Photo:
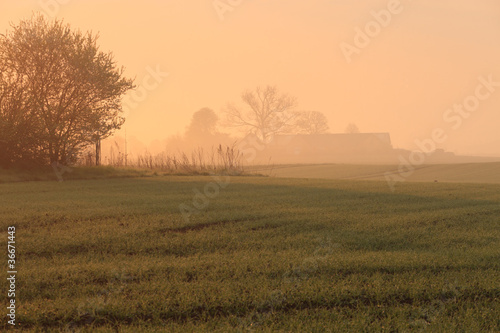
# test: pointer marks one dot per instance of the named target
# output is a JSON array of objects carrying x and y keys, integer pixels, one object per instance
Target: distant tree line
[
  {"x": 264, "y": 112},
  {"x": 58, "y": 93}
]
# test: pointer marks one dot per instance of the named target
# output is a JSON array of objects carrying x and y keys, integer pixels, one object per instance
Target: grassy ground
[
  {"x": 67, "y": 173},
  {"x": 63, "y": 173},
  {"x": 260, "y": 254},
  {"x": 461, "y": 173}
]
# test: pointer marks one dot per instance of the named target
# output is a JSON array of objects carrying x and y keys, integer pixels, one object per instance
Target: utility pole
[
  {"x": 126, "y": 151},
  {"x": 98, "y": 150}
]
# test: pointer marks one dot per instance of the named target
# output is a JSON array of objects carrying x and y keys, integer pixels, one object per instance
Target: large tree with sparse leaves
[{"x": 58, "y": 92}]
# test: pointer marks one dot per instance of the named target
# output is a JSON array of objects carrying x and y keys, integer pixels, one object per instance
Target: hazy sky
[{"x": 418, "y": 63}]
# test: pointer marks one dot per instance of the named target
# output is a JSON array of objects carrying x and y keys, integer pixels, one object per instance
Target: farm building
[{"x": 327, "y": 148}]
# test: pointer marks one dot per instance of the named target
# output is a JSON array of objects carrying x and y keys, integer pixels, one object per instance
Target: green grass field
[
  {"x": 262, "y": 254},
  {"x": 457, "y": 173}
]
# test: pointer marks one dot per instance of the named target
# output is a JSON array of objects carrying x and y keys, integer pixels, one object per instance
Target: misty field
[
  {"x": 454, "y": 173},
  {"x": 265, "y": 254}
]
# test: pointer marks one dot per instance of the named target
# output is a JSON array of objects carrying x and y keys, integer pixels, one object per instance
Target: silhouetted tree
[
  {"x": 268, "y": 112},
  {"x": 57, "y": 81},
  {"x": 352, "y": 128},
  {"x": 203, "y": 123},
  {"x": 311, "y": 122}
]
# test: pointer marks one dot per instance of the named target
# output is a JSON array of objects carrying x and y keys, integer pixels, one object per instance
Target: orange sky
[{"x": 427, "y": 58}]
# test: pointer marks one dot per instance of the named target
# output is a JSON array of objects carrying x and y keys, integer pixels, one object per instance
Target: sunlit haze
[{"x": 427, "y": 57}]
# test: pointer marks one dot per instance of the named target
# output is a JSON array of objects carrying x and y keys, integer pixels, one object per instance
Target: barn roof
[{"x": 330, "y": 140}]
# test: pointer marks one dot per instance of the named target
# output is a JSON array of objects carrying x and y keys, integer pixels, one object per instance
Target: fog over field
[
  {"x": 399, "y": 67},
  {"x": 250, "y": 165}
]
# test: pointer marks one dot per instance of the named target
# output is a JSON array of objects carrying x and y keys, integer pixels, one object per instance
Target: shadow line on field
[
  {"x": 435, "y": 301},
  {"x": 198, "y": 227}
]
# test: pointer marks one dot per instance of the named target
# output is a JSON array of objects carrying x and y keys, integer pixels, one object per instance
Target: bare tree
[
  {"x": 268, "y": 112},
  {"x": 352, "y": 128},
  {"x": 312, "y": 122},
  {"x": 72, "y": 90}
]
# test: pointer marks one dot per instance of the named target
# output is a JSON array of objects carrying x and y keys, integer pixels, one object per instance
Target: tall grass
[{"x": 220, "y": 159}]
